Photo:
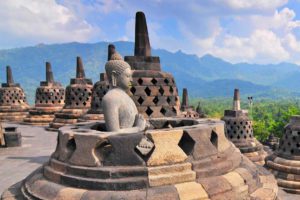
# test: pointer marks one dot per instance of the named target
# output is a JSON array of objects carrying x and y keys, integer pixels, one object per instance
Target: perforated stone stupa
[
  {"x": 49, "y": 98},
  {"x": 154, "y": 92},
  {"x": 99, "y": 90},
  {"x": 186, "y": 109},
  {"x": 285, "y": 161},
  {"x": 77, "y": 99},
  {"x": 13, "y": 104},
  {"x": 239, "y": 130}
]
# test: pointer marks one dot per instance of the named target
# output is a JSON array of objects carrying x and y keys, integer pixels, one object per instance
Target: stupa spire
[
  {"x": 79, "y": 68},
  {"x": 9, "y": 76},
  {"x": 49, "y": 73},
  {"x": 142, "y": 43},
  {"x": 185, "y": 99},
  {"x": 236, "y": 100}
]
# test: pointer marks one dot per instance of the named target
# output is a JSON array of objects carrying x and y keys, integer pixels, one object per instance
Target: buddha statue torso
[{"x": 120, "y": 112}]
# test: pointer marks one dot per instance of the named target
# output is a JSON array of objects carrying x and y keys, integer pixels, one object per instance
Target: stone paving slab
[{"x": 18, "y": 162}]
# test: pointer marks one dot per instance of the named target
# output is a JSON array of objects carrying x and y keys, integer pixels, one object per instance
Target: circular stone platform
[{"x": 192, "y": 160}]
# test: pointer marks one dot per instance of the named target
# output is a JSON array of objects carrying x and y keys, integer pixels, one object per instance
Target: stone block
[
  {"x": 166, "y": 149},
  {"x": 121, "y": 154},
  {"x": 163, "y": 192},
  {"x": 191, "y": 190}
]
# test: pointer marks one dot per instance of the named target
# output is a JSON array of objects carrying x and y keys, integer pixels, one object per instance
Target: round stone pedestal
[{"x": 192, "y": 160}]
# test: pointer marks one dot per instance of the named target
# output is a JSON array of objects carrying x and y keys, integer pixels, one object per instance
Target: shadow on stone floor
[{"x": 36, "y": 159}]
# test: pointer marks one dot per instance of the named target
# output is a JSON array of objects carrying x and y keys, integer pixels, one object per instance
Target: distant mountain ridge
[{"x": 206, "y": 76}]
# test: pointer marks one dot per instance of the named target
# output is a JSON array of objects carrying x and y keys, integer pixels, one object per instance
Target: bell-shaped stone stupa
[
  {"x": 13, "y": 104},
  {"x": 285, "y": 161},
  {"x": 153, "y": 91},
  {"x": 186, "y": 110},
  {"x": 99, "y": 90},
  {"x": 49, "y": 99},
  {"x": 239, "y": 130},
  {"x": 77, "y": 99}
]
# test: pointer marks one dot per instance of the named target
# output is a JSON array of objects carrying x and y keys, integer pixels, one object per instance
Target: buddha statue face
[
  {"x": 118, "y": 72},
  {"x": 122, "y": 80}
]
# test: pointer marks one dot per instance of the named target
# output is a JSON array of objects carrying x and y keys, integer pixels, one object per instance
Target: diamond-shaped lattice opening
[
  {"x": 174, "y": 110},
  {"x": 163, "y": 111},
  {"x": 140, "y": 81},
  {"x": 171, "y": 90},
  {"x": 186, "y": 143},
  {"x": 132, "y": 90},
  {"x": 166, "y": 81},
  {"x": 214, "y": 139},
  {"x": 161, "y": 91},
  {"x": 148, "y": 91},
  {"x": 168, "y": 100},
  {"x": 140, "y": 100},
  {"x": 145, "y": 148},
  {"x": 154, "y": 81},
  {"x": 155, "y": 100},
  {"x": 149, "y": 111}
]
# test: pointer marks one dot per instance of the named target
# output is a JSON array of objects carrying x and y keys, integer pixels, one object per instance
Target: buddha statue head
[{"x": 118, "y": 72}]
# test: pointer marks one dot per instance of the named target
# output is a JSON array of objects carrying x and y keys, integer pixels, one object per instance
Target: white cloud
[
  {"x": 35, "y": 21},
  {"x": 263, "y": 46},
  {"x": 253, "y": 4}
]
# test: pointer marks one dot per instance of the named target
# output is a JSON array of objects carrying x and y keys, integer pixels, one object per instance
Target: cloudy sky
[{"x": 255, "y": 31}]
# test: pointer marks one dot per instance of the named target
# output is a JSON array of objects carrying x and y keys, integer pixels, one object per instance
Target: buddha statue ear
[{"x": 114, "y": 78}]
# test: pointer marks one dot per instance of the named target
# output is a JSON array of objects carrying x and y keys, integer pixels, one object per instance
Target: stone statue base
[
  {"x": 13, "y": 114},
  {"x": 41, "y": 116},
  {"x": 65, "y": 117},
  {"x": 177, "y": 159}
]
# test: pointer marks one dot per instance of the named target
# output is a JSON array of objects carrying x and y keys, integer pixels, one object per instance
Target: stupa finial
[
  {"x": 142, "y": 43},
  {"x": 79, "y": 68},
  {"x": 49, "y": 73},
  {"x": 9, "y": 76},
  {"x": 236, "y": 100}
]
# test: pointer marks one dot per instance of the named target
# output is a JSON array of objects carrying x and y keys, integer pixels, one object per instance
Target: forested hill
[{"x": 205, "y": 76}]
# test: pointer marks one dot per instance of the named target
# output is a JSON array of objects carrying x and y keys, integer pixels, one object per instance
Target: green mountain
[{"x": 206, "y": 76}]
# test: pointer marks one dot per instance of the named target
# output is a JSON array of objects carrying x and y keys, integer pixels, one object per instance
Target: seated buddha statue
[{"x": 120, "y": 112}]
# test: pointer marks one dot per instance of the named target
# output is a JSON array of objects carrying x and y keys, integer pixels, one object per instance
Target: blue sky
[{"x": 254, "y": 31}]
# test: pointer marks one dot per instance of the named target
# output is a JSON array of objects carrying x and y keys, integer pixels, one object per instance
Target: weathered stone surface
[
  {"x": 124, "y": 154},
  {"x": 163, "y": 192},
  {"x": 170, "y": 174},
  {"x": 191, "y": 190},
  {"x": 166, "y": 149}
]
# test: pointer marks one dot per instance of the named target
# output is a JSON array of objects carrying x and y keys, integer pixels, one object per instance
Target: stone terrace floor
[{"x": 18, "y": 162}]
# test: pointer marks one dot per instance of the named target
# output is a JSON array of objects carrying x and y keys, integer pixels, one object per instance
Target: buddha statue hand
[{"x": 140, "y": 122}]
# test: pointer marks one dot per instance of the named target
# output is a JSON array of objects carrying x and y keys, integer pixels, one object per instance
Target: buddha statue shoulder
[{"x": 120, "y": 112}]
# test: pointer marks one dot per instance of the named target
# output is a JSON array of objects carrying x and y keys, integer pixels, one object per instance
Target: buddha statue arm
[{"x": 111, "y": 116}]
